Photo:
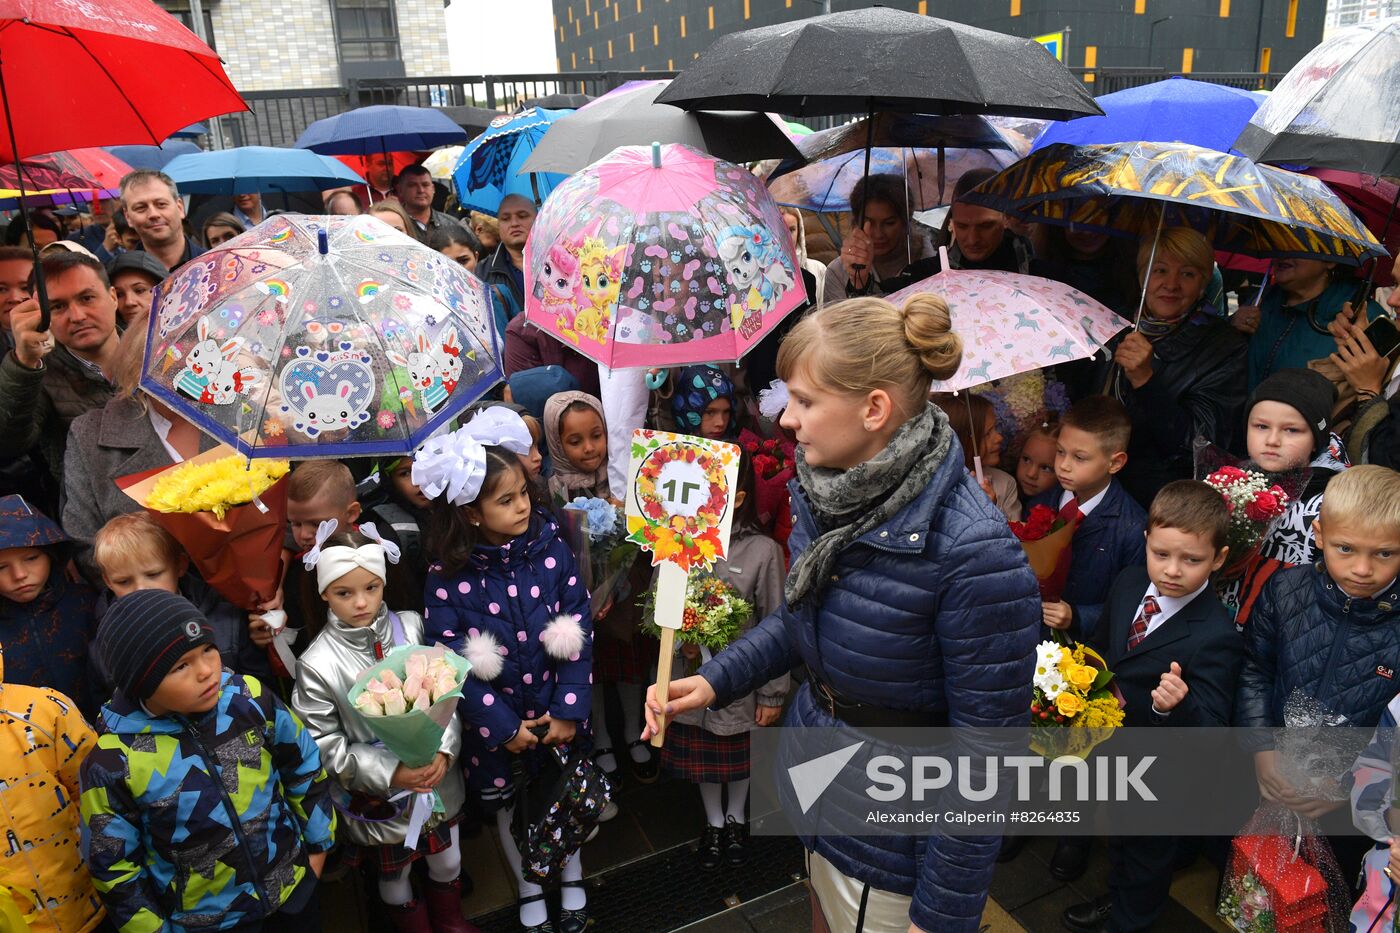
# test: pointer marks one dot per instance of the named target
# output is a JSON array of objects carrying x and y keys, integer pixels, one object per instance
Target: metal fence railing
[{"x": 277, "y": 118}]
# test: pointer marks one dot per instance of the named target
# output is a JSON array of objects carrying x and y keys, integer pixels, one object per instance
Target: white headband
[
  {"x": 455, "y": 465},
  {"x": 334, "y": 562}
]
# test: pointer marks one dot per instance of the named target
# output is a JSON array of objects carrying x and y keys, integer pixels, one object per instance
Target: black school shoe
[
  {"x": 711, "y": 850},
  {"x": 1011, "y": 847},
  {"x": 736, "y": 843},
  {"x": 1090, "y": 916},
  {"x": 1070, "y": 859},
  {"x": 647, "y": 771}
]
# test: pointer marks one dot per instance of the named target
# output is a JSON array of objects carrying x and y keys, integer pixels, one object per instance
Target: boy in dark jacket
[
  {"x": 1091, "y": 447},
  {"x": 1329, "y": 632},
  {"x": 46, "y": 621},
  {"x": 1175, "y": 654},
  {"x": 254, "y": 819}
]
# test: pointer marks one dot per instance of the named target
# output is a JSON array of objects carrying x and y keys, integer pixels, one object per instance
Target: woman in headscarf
[{"x": 577, "y": 437}]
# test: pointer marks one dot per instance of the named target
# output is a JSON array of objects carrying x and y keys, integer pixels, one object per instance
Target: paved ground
[{"x": 643, "y": 879}]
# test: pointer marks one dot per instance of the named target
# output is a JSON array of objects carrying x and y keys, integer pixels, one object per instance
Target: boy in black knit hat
[
  {"x": 1286, "y": 432},
  {"x": 181, "y": 727}
]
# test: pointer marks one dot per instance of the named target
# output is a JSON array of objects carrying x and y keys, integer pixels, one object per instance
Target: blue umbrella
[
  {"x": 489, "y": 168},
  {"x": 258, "y": 169},
  {"x": 1174, "y": 110},
  {"x": 153, "y": 158},
  {"x": 381, "y": 128},
  {"x": 190, "y": 132}
]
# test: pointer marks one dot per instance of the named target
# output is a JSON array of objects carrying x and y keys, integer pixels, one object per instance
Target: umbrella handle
[
  {"x": 1151, "y": 258},
  {"x": 865, "y": 176},
  {"x": 40, "y": 291}
]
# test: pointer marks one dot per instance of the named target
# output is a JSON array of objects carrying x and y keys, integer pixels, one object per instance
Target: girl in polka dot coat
[
  {"x": 505, "y": 591},
  {"x": 518, "y": 611}
]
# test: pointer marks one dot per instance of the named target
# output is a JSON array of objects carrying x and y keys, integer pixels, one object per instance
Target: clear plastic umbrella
[{"x": 314, "y": 336}]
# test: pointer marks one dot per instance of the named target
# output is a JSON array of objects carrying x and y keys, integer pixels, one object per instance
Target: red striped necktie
[{"x": 1144, "y": 619}]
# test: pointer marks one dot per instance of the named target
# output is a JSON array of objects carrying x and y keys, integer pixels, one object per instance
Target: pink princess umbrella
[
  {"x": 660, "y": 256},
  {"x": 1012, "y": 323}
]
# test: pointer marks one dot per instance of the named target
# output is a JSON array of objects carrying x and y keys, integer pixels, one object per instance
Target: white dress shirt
[{"x": 1168, "y": 605}]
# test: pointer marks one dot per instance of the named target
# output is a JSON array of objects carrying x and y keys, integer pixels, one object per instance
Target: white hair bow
[
  {"x": 391, "y": 550},
  {"x": 323, "y": 531},
  {"x": 772, "y": 400},
  {"x": 455, "y": 465}
]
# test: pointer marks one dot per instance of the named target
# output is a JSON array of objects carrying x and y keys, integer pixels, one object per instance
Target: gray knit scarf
[{"x": 850, "y": 503}]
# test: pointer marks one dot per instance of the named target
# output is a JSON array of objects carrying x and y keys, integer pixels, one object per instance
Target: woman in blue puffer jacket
[{"x": 908, "y": 599}]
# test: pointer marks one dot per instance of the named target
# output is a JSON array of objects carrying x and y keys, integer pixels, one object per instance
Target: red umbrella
[
  {"x": 80, "y": 73},
  {"x": 85, "y": 169},
  {"x": 77, "y": 73}
]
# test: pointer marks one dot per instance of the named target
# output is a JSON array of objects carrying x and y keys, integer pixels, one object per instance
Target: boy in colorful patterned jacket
[
  {"x": 204, "y": 805},
  {"x": 43, "y": 741}
]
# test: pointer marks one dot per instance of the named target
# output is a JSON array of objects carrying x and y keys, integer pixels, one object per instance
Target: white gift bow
[
  {"x": 282, "y": 638},
  {"x": 419, "y": 812}
]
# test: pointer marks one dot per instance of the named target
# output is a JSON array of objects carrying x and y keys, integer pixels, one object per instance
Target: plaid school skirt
[
  {"x": 624, "y": 662},
  {"x": 393, "y": 859},
  {"x": 695, "y": 754}
]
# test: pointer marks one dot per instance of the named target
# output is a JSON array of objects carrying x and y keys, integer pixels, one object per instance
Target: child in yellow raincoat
[{"x": 43, "y": 740}]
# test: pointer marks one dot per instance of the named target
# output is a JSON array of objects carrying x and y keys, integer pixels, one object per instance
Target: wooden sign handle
[
  {"x": 663, "y": 681},
  {"x": 671, "y": 582}
]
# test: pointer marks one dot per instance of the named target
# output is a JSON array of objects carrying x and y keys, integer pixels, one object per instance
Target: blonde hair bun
[
  {"x": 928, "y": 327},
  {"x": 862, "y": 344}
]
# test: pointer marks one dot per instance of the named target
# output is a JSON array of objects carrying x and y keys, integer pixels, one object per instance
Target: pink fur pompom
[
  {"x": 562, "y": 637},
  {"x": 482, "y": 652}
]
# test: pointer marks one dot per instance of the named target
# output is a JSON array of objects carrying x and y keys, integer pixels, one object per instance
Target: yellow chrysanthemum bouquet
[
  {"x": 228, "y": 514},
  {"x": 1072, "y": 687}
]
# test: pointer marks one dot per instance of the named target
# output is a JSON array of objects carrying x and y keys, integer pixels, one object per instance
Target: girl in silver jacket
[{"x": 350, "y": 572}]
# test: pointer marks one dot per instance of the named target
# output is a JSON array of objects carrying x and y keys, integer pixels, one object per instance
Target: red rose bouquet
[
  {"x": 774, "y": 464},
  {"x": 1253, "y": 501},
  {"x": 1045, "y": 537}
]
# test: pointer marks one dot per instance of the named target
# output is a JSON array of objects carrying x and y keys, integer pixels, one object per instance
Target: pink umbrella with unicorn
[{"x": 660, "y": 256}]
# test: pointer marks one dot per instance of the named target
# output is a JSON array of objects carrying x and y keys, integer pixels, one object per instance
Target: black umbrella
[
  {"x": 474, "y": 120},
  {"x": 558, "y": 102},
  {"x": 879, "y": 59},
  {"x": 630, "y": 117}
]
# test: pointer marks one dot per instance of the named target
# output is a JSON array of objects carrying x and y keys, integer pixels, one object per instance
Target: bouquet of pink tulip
[{"x": 426, "y": 680}]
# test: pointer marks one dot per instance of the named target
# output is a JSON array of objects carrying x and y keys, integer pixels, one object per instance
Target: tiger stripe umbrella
[{"x": 1136, "y": 188}]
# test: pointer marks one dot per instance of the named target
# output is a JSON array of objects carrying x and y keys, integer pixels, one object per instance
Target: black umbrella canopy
[
  {"x": 559, "y": 101},
  {"x": 631, "y": 117},
  {"x": 880, "y": 59},
  {"x": 474, "y": 120},
  {"x": 910, "y": 130}
]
